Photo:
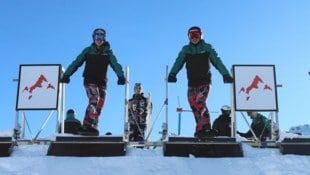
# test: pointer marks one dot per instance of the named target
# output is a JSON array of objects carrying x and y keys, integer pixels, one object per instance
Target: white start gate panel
[
  {"x": 255, "y": 88},
  {"x": 38, "y": 87}
]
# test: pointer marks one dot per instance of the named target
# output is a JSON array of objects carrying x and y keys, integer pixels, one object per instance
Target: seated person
[
  {"x": 222, "y": 124},
  {"x": 260, "y": 125},
  {"x": 72, "y": 125}
]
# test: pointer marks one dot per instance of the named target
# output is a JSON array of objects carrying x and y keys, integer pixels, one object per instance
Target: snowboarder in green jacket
[
  {"x": 97, "y": 57},
  {"x": 198, "y": 56}
]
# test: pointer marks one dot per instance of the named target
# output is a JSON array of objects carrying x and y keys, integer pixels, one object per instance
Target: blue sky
[{"x": 147, "y": 37}]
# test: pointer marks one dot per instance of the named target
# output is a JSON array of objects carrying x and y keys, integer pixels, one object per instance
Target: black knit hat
[
  {"x": 99, "y": 31},
  {"x": 70, "y": 111}
]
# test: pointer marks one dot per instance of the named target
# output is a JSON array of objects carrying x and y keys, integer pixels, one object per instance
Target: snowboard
[
  {"x": 204, "y": 136},
  {"x": 87, "y": 133}
]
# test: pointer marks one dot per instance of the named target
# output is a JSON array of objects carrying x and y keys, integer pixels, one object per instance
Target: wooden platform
[
  {"x": 213, "y": 147},
  {"x": 6, "y": 146},
  {"x": 87, "y": 146},
  {"x": 300, "y": 146}
]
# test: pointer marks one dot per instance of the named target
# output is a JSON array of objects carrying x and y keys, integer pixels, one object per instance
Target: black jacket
[
  {"x": 223, "y": 125},
  {"x": 96, "y": 64}
]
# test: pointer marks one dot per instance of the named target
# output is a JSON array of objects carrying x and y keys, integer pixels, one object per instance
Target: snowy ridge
[
  {"x": 32, "y": 160},
  {"x": 301, "y": 130}
]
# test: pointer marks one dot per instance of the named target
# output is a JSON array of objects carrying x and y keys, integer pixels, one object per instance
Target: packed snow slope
[{"x": 32, "y": 160}]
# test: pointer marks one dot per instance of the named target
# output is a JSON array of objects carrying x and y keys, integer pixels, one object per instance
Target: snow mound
[{"x": 301, "y": 130}]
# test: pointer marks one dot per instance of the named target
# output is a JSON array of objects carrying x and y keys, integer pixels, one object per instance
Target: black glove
[
  {"x": 65, "y": 79},
  {"x": 172, "y": 79},
  {"x": 121, "y": 81},
  {"x": 228, "y": 79}
]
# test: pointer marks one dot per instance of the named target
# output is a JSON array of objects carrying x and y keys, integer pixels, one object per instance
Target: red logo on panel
[
  {"x": 257, "y": 80},
  {"x": 40, "y": 83}
]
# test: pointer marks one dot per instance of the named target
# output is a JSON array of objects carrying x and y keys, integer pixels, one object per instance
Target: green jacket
[
  {"x": 198, "y": 58},
  {"x": 261, "y": 126},
  {"x": 96, "y": 64},
  {"x": 71, "y": 118},
  {"x": 72, "y": 125},
  {"x": 264, "y": 122}
]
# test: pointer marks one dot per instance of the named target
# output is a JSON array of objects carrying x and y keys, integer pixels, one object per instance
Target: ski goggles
[
  {"x": 194, "y": 34},
  {"x": 99, "y": 37}
]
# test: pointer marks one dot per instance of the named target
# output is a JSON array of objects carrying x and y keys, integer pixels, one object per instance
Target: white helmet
[{"x": 226, "y": 108}]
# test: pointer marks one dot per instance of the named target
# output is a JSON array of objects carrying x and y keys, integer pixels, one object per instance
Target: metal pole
[
  {"x": 25, "y": 122},
  {"x": 149, "y": 112},
  {"x": 151, "y": 129},
  {"x": 249, "y": 125},
  {"x": 63, "y": 99},
  {"x": 126, "y": 124},
  {"x": 233, "y": 123},
  {"x": 233, "y": 112},
  {"x": 165, "y": 125},
  {"x": 277, "y": 132},
  {"x": 179, "y": 119},
  {"x": 274, "y": 126},
  {"x": 60, "y": 110},
  {"x": 179, "y": 124},
  {"x": 17, "y": 125},
  {"x": 167, "y": 97},
  {"x": 43, "y": 125},
  {"x": 275, "y": 122}
]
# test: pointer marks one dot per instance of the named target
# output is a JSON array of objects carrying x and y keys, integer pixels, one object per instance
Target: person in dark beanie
[
  {"x": 72, "y": 124},
  {"x": 138, "y": 111},
  {"x": 97, "y": 57},
  {"x": 198, "y": 57}
]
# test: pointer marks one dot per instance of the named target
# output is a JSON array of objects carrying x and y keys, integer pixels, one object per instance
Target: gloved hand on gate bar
[
  {"x": 65, "y": 79},
  {"x": 172, "y": 79},
  {"x": 228, "y": 79},
  {"x": 121, "y": 81}
]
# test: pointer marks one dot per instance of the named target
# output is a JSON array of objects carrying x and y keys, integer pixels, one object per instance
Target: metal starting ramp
[
  {"x": 6, "y": 146},
  {"x": 300, "y": 146},
  {"x": 87, "y": 146},
  {"x": 212, "y": 147}
]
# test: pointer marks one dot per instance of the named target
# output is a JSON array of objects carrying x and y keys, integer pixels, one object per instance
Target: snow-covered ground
[{"x": 32, "y": 160}]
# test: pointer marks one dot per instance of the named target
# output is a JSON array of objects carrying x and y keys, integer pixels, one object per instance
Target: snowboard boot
[
  {"x": 205, "y": 134},
  {"x": 88, "y": 131},
  {"x": 108, "y": 133}
]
